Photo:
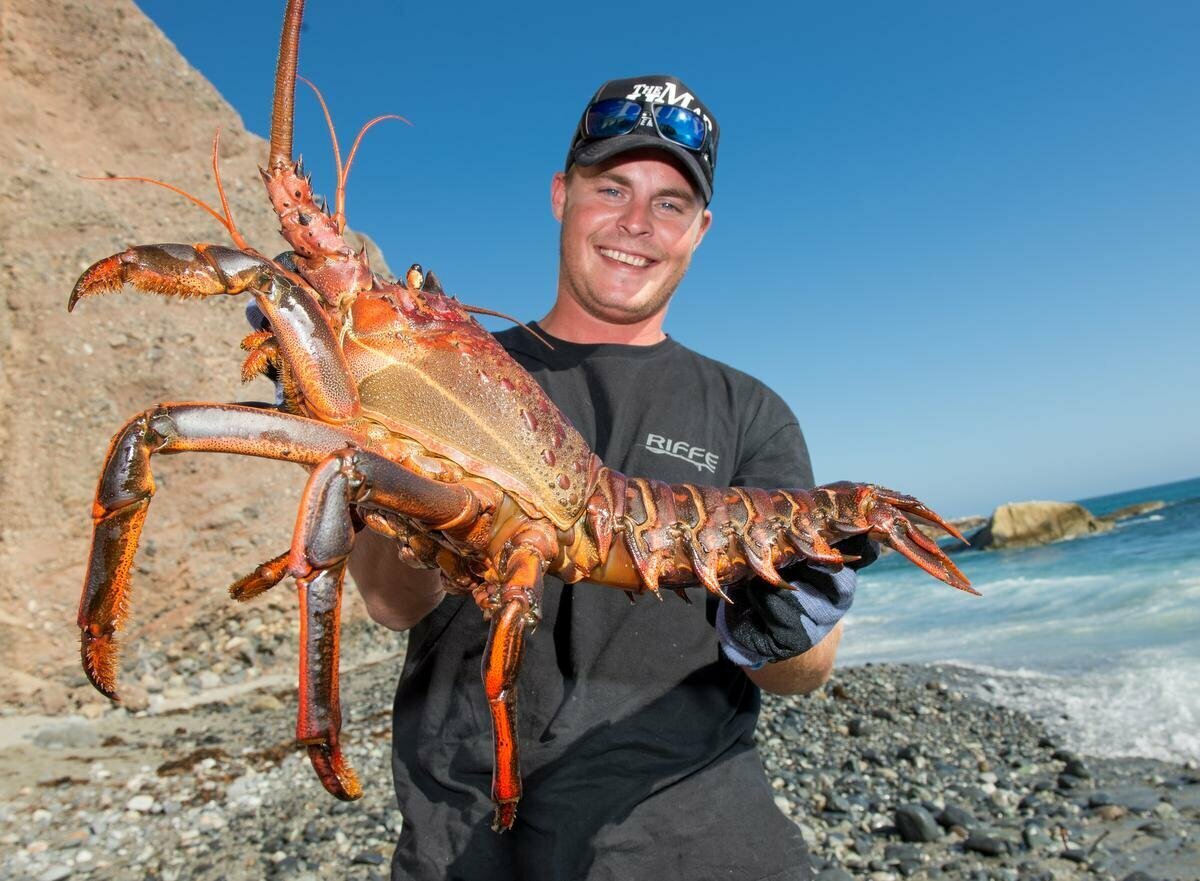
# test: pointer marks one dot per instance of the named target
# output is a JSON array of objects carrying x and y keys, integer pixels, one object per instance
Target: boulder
[{"x": 1025, "y": 524}]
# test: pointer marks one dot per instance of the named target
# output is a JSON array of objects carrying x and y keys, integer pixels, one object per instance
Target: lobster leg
[
  {"x": 302, "y": 331},
  {"x": 515, "y": 608},
  {"x": 127, "y": 485}
]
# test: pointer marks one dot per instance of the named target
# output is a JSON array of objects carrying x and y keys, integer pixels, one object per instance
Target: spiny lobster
[{"x": 412, "y": 419}]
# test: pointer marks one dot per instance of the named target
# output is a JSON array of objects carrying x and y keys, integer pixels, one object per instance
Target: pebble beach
[{"x": 893, "y": 771}]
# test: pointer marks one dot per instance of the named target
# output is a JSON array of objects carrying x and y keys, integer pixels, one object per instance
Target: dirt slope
[{"x": 92, "y": 89}]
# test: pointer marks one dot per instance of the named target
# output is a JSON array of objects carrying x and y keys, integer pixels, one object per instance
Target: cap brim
[{"x": 605, "y": 148}]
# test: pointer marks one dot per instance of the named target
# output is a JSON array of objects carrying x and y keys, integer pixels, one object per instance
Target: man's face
[{"x": 629, "y": 227}]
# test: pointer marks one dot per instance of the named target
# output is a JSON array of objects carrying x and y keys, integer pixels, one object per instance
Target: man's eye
[{"x": 670, "y": 206}]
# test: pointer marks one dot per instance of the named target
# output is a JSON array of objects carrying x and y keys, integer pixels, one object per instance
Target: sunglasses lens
[
  {"x": 681, "y": 126},
  {"x": 615, "y": 116}
]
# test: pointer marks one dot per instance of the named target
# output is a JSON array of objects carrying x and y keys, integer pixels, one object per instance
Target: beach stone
[
  {"x": 265, "y": 703},
  {"x": 914, "y": 823},
  {"x": 1108, "y": 813},
  {"x": 55, "y": 873},
  {"x": 73, "y": 733},
  {"x": 143, "y": 804},
  {"x": 1076, "y": 768},
  {"x": 977, "y": 842},
  {"x": 859, "y": 727},
  {"x": 1139, "y": 875},
  {"x": 836, "y": 804},
  {"x": 134, "y": 698},
  {"x": 953, "y": 815},
  {"x": 834, "y": 873}
]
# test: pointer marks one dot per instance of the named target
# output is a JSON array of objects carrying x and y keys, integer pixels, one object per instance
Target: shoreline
[
  {"x": 898, "y": 770},
  {"x": 891, "y": 771}
]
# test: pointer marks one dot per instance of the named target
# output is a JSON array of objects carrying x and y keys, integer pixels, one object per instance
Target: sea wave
[{"x": 1142, "y": 703}]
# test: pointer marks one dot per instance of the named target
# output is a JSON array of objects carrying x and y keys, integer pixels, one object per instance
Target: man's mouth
[{"x": 625, "y": 257}]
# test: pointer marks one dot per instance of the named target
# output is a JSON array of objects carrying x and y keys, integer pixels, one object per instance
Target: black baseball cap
[{"x": 656, "y": 90}]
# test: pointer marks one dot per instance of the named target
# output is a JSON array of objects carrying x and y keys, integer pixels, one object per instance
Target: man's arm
[
  {"x": 791, "y": 645},
  {"x": 396, "y": 595},
  {"x": 803, "y": 673}
]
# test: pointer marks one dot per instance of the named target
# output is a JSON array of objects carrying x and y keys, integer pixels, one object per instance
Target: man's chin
[{"x": 624, "y": 313}]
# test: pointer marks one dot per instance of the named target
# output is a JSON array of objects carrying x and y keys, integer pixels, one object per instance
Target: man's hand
[{"x": 769, "y": 624}]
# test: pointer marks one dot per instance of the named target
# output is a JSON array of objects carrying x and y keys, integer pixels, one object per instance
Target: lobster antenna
[
  {"x": 345, "y": 174},
  {"x": 479, "y": 310},
  {"x": 284, "y": 104},
  {"x": 337, "y": 153},
  {"x": 234, "y": 233},
  {"x": 158, "y": 183}
]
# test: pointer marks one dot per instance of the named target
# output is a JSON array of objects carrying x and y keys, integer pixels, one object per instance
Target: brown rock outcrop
[
  {"x": 1024, "y": 524},
  {"x": 92, "y": 89}
]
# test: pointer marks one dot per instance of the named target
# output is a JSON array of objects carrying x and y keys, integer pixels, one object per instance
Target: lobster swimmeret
[{"x": 412, "y": 419}]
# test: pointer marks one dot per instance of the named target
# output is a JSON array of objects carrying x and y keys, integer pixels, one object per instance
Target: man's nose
[{"x": 636, "y": 219}]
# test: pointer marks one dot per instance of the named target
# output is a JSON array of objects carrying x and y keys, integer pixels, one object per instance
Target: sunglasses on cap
[{"x": 620, "y": 116}]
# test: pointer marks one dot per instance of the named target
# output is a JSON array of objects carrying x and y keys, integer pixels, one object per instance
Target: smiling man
[{"x": 636, "y": 721}]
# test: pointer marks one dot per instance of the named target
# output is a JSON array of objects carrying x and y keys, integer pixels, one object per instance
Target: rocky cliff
[{"x": 96, "y": 89}]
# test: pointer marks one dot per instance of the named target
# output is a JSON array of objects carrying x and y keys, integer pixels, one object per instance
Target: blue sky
[{"x": 960, "y": 239}]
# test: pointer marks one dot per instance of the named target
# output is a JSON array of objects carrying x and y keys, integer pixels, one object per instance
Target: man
[{"x": 636, "y": 731}]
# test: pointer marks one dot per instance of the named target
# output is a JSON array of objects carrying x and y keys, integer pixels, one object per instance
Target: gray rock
[
  {"x": 859, "y": 727},
  {"x": 980, "y": 843},
  {"x": 1035, "y": 836},
  {"x": 914, "y": 823},
  {"x": 55, "y": 873},
  {"x": 836, "y": 803},
  {"x": 1076, "y": 768},
  {"x": 953, "y": 815},
  {"x": 834, "y": 874},
  {"x": 72, "y": 733}
]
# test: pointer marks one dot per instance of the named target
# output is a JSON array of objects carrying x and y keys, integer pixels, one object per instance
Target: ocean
[{"x": 1099, "y": 637}]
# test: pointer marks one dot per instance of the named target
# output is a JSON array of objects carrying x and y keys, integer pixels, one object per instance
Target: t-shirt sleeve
[{"x": 774, "y": 453}]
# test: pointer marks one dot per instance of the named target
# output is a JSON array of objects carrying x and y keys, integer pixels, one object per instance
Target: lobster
[{"x": 413, "y": 421}]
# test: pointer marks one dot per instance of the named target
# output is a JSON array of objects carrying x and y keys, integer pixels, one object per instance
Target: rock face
[
  {"x": 1024, "y": 524},
  {"x": 95, "y": 89}
]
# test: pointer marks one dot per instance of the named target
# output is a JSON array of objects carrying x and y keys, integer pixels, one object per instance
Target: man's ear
[
  {"x": 558, "y": 194},
  {"x": 705, "y": 223}
]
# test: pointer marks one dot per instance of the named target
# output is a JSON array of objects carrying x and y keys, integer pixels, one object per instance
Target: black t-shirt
[{"x": 636, "y": 734}]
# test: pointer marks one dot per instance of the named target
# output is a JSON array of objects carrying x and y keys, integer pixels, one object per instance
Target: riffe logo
[{"x": 703, "y": 459}]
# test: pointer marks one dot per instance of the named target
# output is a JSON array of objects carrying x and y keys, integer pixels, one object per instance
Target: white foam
[{"x": 1143, "y": 703}]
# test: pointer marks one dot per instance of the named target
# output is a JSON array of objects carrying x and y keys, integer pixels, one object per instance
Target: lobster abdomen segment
[{"x": 647, "y": 533}]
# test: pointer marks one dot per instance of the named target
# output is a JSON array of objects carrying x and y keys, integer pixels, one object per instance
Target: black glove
[{"x": 767, "y": 623}]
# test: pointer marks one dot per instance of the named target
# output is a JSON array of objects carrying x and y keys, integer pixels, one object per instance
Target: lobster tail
[{"x": 671, "y": 534}]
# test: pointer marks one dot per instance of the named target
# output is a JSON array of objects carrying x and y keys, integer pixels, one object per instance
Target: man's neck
[{"x": 574, "y": 325}]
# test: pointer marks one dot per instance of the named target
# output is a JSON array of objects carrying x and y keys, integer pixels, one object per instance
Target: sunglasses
[{"x": 620, "y": 116}]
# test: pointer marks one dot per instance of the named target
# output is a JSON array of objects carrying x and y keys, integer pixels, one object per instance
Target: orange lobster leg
[
  {"x": 127, "y": 485},
  {"x": 519, "y": 607},
  {"x": 324, "y": 538}
]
